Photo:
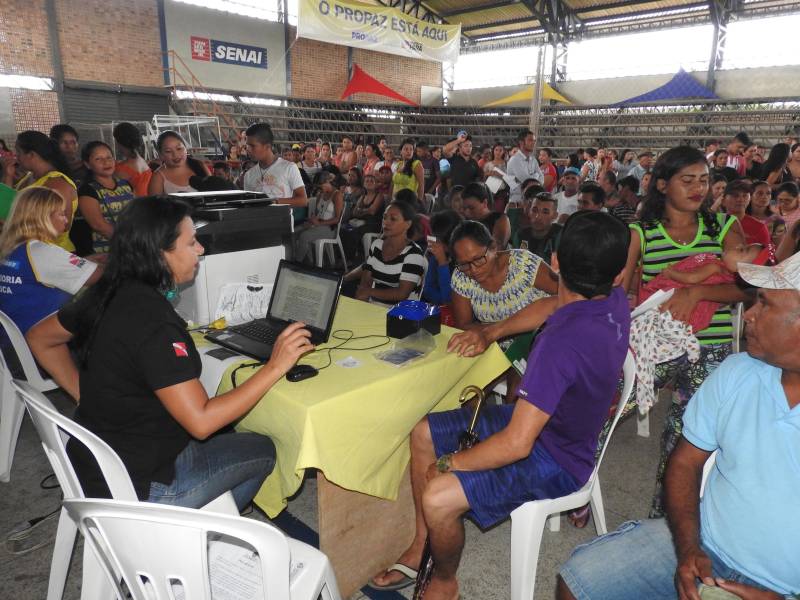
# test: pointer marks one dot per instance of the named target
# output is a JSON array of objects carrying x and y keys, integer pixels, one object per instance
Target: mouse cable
[{"x": 338, "y": 335}]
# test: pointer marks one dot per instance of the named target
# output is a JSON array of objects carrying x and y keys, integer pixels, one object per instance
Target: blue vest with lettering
[{"x": 22, "y": 297}]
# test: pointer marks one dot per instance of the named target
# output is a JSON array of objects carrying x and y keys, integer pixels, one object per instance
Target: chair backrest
[
  {"x": 153, "y": 547},
  {"x": 29, "y": 368},
  {"x": 55, "y": 429},
  {"x": 707, "y": 468},
  {"x": 628, "y": 379}
]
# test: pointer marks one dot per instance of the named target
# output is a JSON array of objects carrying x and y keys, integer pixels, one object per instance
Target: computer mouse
[{"x": 301, "y": 372}]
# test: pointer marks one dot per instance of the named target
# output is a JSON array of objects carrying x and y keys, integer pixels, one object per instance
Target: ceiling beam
[
  {"x": 559, "y": 21},
  {"x": 490, "y": 25},
  {"x": 473, "y": 9}
]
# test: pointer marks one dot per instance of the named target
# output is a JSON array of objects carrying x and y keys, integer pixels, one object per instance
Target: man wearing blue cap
[{"x": 567, "y": 200}]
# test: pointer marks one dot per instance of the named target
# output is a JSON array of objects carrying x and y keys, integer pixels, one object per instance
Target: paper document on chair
[{"x": 234, "y": 571}]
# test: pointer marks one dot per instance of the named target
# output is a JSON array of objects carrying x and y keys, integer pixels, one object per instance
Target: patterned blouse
[{"x": 516, "y": 293}]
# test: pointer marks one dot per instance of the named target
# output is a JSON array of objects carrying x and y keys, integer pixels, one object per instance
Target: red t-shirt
[
  {"x": 550, "y": 169},
  {"x": 755, "y": 232}
]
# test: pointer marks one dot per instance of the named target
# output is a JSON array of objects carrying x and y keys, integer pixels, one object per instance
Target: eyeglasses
[{"x": 473, "y": 264}]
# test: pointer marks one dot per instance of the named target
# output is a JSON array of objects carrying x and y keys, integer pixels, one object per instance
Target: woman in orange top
[{"x": 133, "y": 168}]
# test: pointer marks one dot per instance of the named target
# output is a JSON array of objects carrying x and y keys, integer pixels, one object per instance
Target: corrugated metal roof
[{"x": 493, "y": 18}]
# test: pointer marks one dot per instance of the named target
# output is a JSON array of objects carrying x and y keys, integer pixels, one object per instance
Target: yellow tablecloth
[{"x": 353, "y": 423}]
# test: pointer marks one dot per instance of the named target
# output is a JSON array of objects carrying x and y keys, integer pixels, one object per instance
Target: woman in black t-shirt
[
  {"x": 476, "y": 200},
  {"x": 139, "y": 371}
]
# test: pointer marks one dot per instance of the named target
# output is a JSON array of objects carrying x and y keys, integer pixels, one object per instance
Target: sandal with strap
[{"x": 409, "y": 577}]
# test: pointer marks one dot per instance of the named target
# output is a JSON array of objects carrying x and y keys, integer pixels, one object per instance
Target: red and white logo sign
[
  {"x": 76, "y": 261},
  {"x": 201, "y": 48},
  {"x": 180, "y": 349}
]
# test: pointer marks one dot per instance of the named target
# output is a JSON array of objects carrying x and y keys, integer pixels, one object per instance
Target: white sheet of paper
[
  {"x": 243, "y": 302},
  {"x": 234, "y": 572},
  {"x": 652, "y": 302},
  {"x": 494, "y": 183}
]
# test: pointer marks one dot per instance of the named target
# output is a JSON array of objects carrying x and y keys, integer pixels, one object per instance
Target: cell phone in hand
[{"x": 712, "y": 592}]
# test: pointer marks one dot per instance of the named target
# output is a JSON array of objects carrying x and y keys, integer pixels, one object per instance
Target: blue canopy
[{"x": 681, "y": 86}]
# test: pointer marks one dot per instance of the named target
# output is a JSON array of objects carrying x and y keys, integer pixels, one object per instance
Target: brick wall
[
  {"x": 319, "y": 71},
  {"x": 24, "y": 45},
  {"x": 112, "y": 41},
  {"x": 403, "y": 75},
  {"x": 34, "y": 109}
]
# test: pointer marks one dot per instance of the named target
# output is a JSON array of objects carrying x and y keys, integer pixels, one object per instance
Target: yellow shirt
[{"x": 62, "y": 240}]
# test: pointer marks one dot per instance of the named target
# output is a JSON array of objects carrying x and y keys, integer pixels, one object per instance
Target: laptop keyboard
[{"x": 258, "y": 331}]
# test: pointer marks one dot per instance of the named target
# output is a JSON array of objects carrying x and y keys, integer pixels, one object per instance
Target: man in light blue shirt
[
  {"x": 523, "y": 165},
  {"x": 744, "y": 536}
]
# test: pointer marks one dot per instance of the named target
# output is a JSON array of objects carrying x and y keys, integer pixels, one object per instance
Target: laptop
[{"x": 300, "y": 293}]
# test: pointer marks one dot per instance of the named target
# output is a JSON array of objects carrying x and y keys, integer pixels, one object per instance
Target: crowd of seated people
[{"x": 501, "y": 237}]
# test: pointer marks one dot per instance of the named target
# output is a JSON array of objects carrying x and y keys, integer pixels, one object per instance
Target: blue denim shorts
[
  {"x": 634, "y": 562},
  {"x": 492, "y": 494}
]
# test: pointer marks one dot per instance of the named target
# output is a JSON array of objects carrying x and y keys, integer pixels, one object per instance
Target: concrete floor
[{"x": 627, "y": 477}]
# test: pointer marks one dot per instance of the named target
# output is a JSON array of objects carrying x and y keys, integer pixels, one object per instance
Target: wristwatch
[{"x": 443, "y": 463}]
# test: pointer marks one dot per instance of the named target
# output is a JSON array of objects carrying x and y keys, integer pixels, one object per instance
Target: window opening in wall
[{"x": 26, "y": 82}]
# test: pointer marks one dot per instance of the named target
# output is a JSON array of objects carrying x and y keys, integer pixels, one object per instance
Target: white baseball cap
[{"x": 785, "y": 276}]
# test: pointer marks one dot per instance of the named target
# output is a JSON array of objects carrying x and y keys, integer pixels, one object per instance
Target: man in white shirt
[
  {"x": 278, "y": 178},
  {"x": 523, "y": 165},
  {"x": 567, "y": 200}
]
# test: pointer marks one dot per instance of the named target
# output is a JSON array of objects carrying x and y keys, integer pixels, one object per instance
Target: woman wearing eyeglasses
[{"x": 490, "y": 285}]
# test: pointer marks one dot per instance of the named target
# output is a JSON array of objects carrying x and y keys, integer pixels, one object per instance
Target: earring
[{"x": 171, "y": 294}]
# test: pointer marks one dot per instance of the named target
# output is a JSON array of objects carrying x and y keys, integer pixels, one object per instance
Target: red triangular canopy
[{"x": 363, "y": 83}]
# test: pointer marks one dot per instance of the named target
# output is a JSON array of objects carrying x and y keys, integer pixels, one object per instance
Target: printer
[{"x": 244, "y": 234}]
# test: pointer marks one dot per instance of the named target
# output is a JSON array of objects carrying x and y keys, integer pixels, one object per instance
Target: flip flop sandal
[
  {"x": 409, "y": 577},
  {"x": 580, "y": 517}
]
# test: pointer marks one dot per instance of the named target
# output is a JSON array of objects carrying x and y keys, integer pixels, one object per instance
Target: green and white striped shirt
[{"x": 660, "y": 251}]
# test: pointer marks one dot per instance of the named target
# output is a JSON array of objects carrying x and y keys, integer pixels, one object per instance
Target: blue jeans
[
  {"x": 239, "y": 462},
  {"x": 634, "y": 562}
]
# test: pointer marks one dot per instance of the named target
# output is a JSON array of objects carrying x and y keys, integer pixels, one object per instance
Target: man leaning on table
[
  {"x": 536, "y": 448},
  {"x": 744, "y": 535}
]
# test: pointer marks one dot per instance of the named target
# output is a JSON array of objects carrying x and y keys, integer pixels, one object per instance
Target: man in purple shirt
[{"x": 542, "y": 446}]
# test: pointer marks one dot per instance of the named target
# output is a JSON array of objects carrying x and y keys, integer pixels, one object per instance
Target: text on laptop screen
[{"x": 303, "y": 297}]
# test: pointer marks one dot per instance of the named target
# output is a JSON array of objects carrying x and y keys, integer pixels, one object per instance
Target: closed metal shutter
[{"x": 102, "y": 106}]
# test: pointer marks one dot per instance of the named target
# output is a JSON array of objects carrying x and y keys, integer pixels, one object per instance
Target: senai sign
[{"x": 228, "y": 52}]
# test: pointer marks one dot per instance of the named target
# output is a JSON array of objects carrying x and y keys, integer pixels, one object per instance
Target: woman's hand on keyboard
[{"x": 291, "y": 344}]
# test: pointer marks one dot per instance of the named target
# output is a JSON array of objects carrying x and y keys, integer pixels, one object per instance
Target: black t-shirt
[
  {"x": 728, "y": 173},
  {"x": 543, "y": 247},
  {"x": 140, "y": 346},
  {"x": 463, "y": 171}
]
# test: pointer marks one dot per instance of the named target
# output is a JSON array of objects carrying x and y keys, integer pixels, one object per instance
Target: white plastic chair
[
  {"x": 707, "y": 471},
  {"x": 54, "y": 431},
  {"x": 329, "y": 243},
  {"x": 366, "y": 241},
  {"x": 154, "y": 547},
  {"x": 430, "y": 202},
  {"x": 528, "y": 521},
  {"x": 738, "y": 326},
  {"x": 11, "y": 408}
]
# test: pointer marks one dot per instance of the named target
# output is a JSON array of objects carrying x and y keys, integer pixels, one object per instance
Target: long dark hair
[
  {"x": 195, "y": 165},
  {"x": 777, "y": 158},
  {"x": 45, "y": 147},
  {"x": 666, "y": 167},
  {"x": 145, "y": 229},
  {"x": 129, "y": 137},
  {"x": 408, "y": 165}
]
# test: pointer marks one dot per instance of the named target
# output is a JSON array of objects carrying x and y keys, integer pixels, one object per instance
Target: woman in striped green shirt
[{"x": 674, "y": 225}]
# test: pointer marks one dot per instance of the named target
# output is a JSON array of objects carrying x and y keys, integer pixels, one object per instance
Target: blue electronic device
[{"x": 409, "y": 316}]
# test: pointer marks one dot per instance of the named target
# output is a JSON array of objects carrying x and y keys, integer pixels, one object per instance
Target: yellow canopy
[{"x": 526, "y": 94}]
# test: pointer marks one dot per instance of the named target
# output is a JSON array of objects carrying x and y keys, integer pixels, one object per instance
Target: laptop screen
[{"x": 304, "y": 294}]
